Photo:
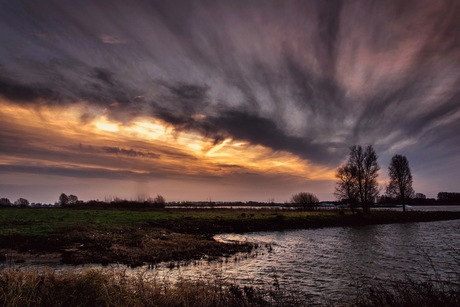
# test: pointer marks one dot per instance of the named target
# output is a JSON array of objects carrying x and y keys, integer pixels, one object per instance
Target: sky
[{"x": 223, "y": 100}]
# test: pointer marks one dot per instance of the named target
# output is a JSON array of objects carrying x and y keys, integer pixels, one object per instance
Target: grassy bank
[
  {"x": 104, "y": 288},
  {"x": 97, "y": 288},
  {"x": 151, "y": 236}
]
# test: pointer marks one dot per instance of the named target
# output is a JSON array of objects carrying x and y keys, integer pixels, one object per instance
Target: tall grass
[
  {"x": 410, "y": 292},
  {"x": 98, "y": 288},
  {"x": 104, "y": 288}
]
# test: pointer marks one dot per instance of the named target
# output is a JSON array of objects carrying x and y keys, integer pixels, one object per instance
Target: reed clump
[
  {"x": 409, "y": 292},
  {"x": 101, "y": 288}
]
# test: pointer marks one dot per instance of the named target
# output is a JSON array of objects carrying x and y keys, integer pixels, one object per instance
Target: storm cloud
[{"x": 307, "y": 77}]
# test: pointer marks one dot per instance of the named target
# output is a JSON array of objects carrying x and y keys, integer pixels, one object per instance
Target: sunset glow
[
  {"x": 134, "y": 147},
  {"x": 138, "y": 99}
]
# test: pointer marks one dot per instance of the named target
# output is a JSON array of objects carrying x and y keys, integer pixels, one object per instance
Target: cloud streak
[{"x": 306, "y": 77}]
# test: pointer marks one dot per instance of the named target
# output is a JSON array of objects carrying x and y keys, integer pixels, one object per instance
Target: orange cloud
[{"x": 54, "y": 136}]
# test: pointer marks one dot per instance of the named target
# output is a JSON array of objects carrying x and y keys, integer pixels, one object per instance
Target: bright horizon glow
[{"x": 144, "y": 144}]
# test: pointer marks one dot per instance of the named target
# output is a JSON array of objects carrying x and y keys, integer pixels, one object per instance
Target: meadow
[{"x": 137, "y": 237}]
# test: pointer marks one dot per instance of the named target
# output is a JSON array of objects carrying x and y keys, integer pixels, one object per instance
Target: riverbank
[
  {"x": 103, "y": 288},
  {"x": 99, "y": 288},
  {"x": 151, "y": 236}
]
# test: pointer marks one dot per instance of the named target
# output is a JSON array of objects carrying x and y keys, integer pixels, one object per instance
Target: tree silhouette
[
  {"x": 357, "y": 178},
  {"x": 72, "y": 200},
  {"x": 305, "y": 199},
  {"x": 5, "y": 202},
  {"x": 159, "y": 200},
  {"x": 63, "y": 200},
  {"x": 400, "y": 185},
  {"x": 448, "y": 197},
  {"x": 346, "y": 185},
  {"x": 21, "y": 202}
]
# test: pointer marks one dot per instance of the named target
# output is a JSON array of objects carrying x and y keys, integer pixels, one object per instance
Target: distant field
[
  {"x": 46, "y": 222},
  {"x": 51, "y": 222}
]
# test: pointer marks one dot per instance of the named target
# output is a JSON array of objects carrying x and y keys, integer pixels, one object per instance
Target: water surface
[{"x": 334, "y": 261}]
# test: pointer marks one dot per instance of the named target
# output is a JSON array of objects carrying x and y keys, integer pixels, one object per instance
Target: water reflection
[{"x": 330, "y": 262}]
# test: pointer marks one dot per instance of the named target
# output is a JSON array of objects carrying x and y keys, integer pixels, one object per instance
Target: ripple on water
[{"x": 331, "y": 261}]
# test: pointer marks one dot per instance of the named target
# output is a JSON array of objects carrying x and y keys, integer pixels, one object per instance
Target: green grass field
[
  {"x": 49, "y": 222},
  {"x": 46, "y": 222}
]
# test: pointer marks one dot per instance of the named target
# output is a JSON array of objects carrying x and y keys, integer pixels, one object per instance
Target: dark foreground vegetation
[
  {"x": 410, "y": 293},
  {"x": 99, "y": 288},
  {"x": 96, "y": 288},
  {"x": 136, "y": 237}
]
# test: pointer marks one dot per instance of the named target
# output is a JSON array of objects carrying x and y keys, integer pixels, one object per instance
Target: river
[{"x": 332, "y": 262}]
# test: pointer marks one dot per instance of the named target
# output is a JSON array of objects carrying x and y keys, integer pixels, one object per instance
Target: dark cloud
[
  {"x": 308, "y": 77},
  {"x": 94, "y": 85},
  {"x": 180, "y": 103},
  {"x": 264, "y": 131},
  {"x": 18, "y": 92},
  {"x": 130, "y": 152},
  {"x": 189, "y": 91},
  {"x": 105, "y": 76},
  {"x": 78, "y": 172}
]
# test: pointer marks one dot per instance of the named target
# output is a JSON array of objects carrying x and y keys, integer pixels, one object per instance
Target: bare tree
[
  {"x": 159, "y": 201},
  {"x": 346, "y": 187},
  {"x": 305, "y": 199},
  {"x": 357, "y": 178},
  {"x": 400, "y": 185}
]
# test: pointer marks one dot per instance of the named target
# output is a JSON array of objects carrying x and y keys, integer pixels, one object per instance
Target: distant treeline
[
  {"x": 449, "y": 197},
  {"x": 222, "y": 204},
  {"x": 443, "y": 198},
  {"x": 72, "y": 201}
]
